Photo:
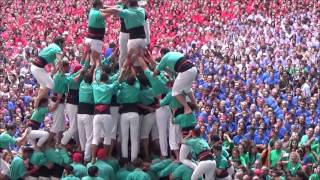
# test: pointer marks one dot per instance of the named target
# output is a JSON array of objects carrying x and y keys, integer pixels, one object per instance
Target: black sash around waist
[
  {"x": 101, "y": 109},
  {"x": 73, "y": 96},
  {"x": 205, "y": 155},
  {"x": 123, "y": 26},
  {"x": 183, "y": 65},
  {"x": 54, "y": 98},
  {"x": 114, "y": 101},
  {"x": 96, "y": 33},
  {"x": 143, "y": 111},
  {"x": 126, "y": 108},
  {"x": 39, "y": 62},
  {"x": 86, "y": 108},
  {"x": 137, "y": 33}
]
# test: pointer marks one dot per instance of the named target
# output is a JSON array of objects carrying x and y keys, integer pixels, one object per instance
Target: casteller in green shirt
[
  {"x": 182, "y": 172},
  {"x": 133, "y": 17},
  {"x": 105, "y": 170},
  {"x": 39, "y": 114},
  {"x": 17, "y": 168},
  {"x": 197, "y": 145},
  {"x": 70, "y": 177},
  {"x": 61, "y": 82},
  {"x": 96, "y": 20},
  {"x": 138, "y": 174},
  {"x": 185, "y": 120},
  {"x": 314, "y": 177},
  {"x": 6, "y": 140},
  {"x": 158, "y": 83},
  {"x": 169, "y": 60},
  {"x": 49, "y": 53},
  {"x": 102, "y": 92},
  {"x": 128, "y": 93},
  {"x": 86, "y": 93}
]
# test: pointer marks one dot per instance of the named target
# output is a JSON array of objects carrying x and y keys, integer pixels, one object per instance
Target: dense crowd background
[{"x": 258, "y": 63}]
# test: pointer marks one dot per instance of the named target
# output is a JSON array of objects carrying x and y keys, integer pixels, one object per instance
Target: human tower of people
[{"x": 129, "y": 95}]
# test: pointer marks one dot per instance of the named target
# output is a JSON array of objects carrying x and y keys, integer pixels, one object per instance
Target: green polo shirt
[
  {"x": 158, "y": 83},
  {"x": 39, "y": 114},
  {"x": 146, "y": 96},
  {"x": 253, "y": 158},
  {"x": 92, "y": 178},
  {"x": 73, "y": 84},
  {"x": 102, "y": 92},
  {"x": 221, "y": 162},
  {"x": 168, "y": 170},
  {"x": 316, "y": 148},
  {"x": 6, "y": 140},
  {"x": 17, "y": 168},
  {"x": 314, "y": 177},
  {"x": 49, "y": 53},
  {"x": 169, "y": 60},
  {"x": 122, "y": 174},
  {"x": 79, "y": 170},
  {"x": 70, "y": 177},
  {"x": 57, "y": 156},
  {"x": 106, "y": 172},
  {"x": 86, "y": 93},
  {"x": 114, "y": 163},
  {"x": 128, "y": 94},
  {"x": 275, "y": 156},
  {"x": 133, "y": 17},
  {"x": 61, "y": 82},
  {"x": 182, "y": 172},
  {"x": 197, "y": 145},
  {"x": 158, "y": 166},
  {"x": 38, "y": 158},
  {"x": 185, "y": 120},
  {"x": 138, "y": 174},
  {"x": 96, "y": 20},
  {"x": 293, "y": 168},
  {"x": 171, "y": 101}
]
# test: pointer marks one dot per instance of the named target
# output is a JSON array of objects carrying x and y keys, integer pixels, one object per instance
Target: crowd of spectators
[{"x": 258, "y": 62}]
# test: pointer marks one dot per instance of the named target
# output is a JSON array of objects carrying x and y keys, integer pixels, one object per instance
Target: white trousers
[
  {"x": 129, "y": 124},
  {"x": 44, "y": 178},
  {"x": 174, "y": 136},
  {"x": 95, "y": 45},
  {"x": 114, "y": 111},
  {"x": 43, "y": 78},
  {"x": 58, "y": 117},
  {"x": 183, "y": 82},
  {"x": 149, "y": 125},
  {"x": 183, "y": 156},
  {"x": 163, "y": 116},
  {"x": 38, "y": 134},
  {"x": 85, "y": 134},
  {"x": 71, "y": 111},
  {"x": 204, "y": 170},
  {"x": 123, "y": 42},
  {"x": 102, "y": 123}
]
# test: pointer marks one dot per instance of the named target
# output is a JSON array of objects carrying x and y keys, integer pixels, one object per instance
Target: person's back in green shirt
[
  {"x": 49, "y": 53},
  {"x": 138, "y": 174},
  {"x": 17, "y": 168},
  {"x": 96, "y": 20},
  {"x": 6, "y": 140}
]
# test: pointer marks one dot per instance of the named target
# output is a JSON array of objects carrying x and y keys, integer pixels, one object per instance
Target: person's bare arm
[{"x": 110, "y": 11}]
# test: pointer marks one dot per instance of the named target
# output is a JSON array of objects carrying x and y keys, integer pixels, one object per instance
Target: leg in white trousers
[
  {"x": 85, "y": 134},
  {"x": 183, "y": 156},
  {"x": 147, "y": 124},
  {"x": 31, "y": 178},
  {"x": 44, "y": 178},
  {"x": 114, "y": 111},
  {"x": 174, "y": 136},
  {"x": 129, "y": 121},
  {"x": 101, "y": 123},
  {"x": 123, "y": 42},
  {"x": 205, "y": 170},
  {"x": 38, "y": 134},
  {"x": 72, "y": 111},
  {"x": 58, "y": 117},
  {"x": 163, "y": 116}
]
